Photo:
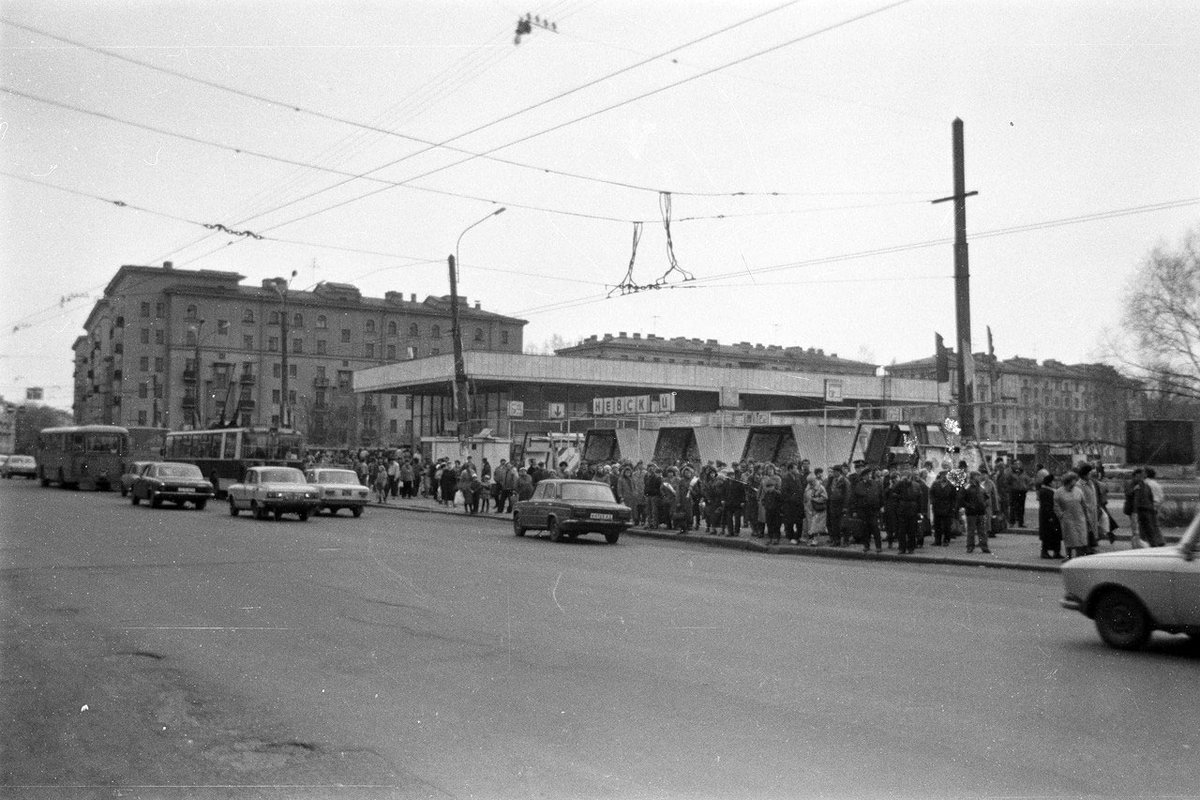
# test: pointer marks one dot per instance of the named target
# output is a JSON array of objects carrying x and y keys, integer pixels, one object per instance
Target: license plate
[
  {"x": 602, "y": 516},
  {"x": 345, "y": 492},
  {"x": 186, "y": 489}
]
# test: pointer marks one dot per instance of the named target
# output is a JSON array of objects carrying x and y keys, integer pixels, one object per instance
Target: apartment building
[{"x": 194, "y": 348}]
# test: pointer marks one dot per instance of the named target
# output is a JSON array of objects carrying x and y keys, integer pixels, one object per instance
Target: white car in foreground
[
  {"x": 266, "y": 491},
  {"x": 1132, "y": 593}
]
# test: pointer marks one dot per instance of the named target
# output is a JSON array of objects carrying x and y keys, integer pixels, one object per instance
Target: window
[
  {"x": 408, "y": 402},
  {"x": 297, "y": 345},
  {"x": 412, "y": 353},
  {"x": 158, "y": 364},
  {"x": 369, "y": 350},
  {"x": 345, "y": 334},
  {"x": 436, "y": 332},
  {"x": 391, "y": 352},
  {"x": 144, "y": 363},
  {"x": 322, "y": 322},
  {"x": 273, "y": 319},
  {"x": 297, "y": 320},
  {"x": 143, "y": 390},
  {"x": 436, "y": 351},
  {"x": 144, "y": 335},
  {"x": 222, "y": 327},
  {"x": 248, "y": 315},
  {"x": 321, "y": 371},
  {"x": 395, "y": 401},
  {"x": 142, "y": 417},
  {"x": 146, "y": 308},
  {"x": 392, "y": 328},
  {"x": 248, "y": 341},
  {"x": 275, "y": 396},
  {"x": 479, "y": 334},
  {"x": 160, "y": 310},
  {"x": 190, "y": 338},
  {"x": 321, "y": 345},
  {"x": 344, "y": 379},
  {"x": 272, "y": 344},
  {"x": 160, "y": 337},
  {"x": 120, "y": 324},
  {"x": 503, "y": 337},
  {"x": 392, "y": 427},
  {"x": 276, "y": 370},
  {"x": 414, "y": 330},
  {"x": 370, "y": 326},
  {"x": 292, "y": 370},
  {"x": 291, "y": 397},
  {"x": 191, "y": 312}
]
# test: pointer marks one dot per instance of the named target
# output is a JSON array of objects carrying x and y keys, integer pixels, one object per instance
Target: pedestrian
[
  {"x": 1150, "y": 499},
  {"x": 524, "y": 488},
  {"x": 943, "y": 501},
  {"x": 449, "y": 483},
  {"x": 393, "y": 477},
  {"x": 381, "y": 484},
  {"x": 733, "y": 502},
  {"x": 682, "y": 516},
  {"x": 407, "y": 473},
  {"x": 1004, "y": 480},
  {"x": 791, "y": 487},
  {"x": 816, "y": 506},
  {"x": 1018, "y": 491},
  {"x": 771, "y": 504},
  {"x": 977, "y": 505},
  {"x": 750, "y": 507},
  {"x": 639, "y": 493},
  {"x": 836, "y": 491},
  {"x": 668, "y": 497},
  {"x": 1091, "y": 503},
  {"x": 864, "y": 505},
  {"x": 911, "y": 501},
  {"x": 654, "y": 501},
  {"x": 1072, "y": 515},
  {"x": 1049, "y": 530},
  {"x": 1132, "y": 487}
]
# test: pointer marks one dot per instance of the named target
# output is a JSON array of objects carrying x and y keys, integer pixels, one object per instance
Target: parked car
[
  {"x": 571, "y": 508},
  {"x": 19, "y": 465},
  {"x": 1132, "y": 593},
  {"x": 338, "y": 488},
  {"x": 132, "y": 470},
  {"x": 173, "y": 482},
  {"x": 273, "y": 490}
]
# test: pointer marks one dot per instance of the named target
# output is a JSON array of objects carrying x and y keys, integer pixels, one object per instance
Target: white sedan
[{"x": 1132, "y": 593}]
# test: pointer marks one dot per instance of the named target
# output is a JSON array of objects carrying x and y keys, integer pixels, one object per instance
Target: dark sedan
[
  {"x": 570, "y": 508},
  {"x": 173, "y": 482}
]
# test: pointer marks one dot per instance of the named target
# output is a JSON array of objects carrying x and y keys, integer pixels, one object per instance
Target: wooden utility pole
[
  {"x": 962, "y": 289},
  {"x": 462, "y": 414}
]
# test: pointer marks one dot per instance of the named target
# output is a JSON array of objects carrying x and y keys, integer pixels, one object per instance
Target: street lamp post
[
  {"x": 281, "y": 286},
  {"x": 196, "y": 376},
  {"x": 460, "y": 369}
]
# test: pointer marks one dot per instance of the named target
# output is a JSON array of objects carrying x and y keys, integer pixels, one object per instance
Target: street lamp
[
  {"x": 281, "y": 285},
  {"x": 460, "y": 369}
]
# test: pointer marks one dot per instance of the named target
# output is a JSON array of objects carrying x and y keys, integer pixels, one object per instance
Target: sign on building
[
  {"x": 556, "y": 410},
  {"x": 516, "y": 408},
  {"x": 833, "y": 390}
]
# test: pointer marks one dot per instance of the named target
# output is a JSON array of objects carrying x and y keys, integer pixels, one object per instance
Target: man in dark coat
[
  {"x": 943, "y": 497},
  {"x": 792, "y": 490},
  {"x": 837, "y": 490},
  {"x": 865, "y": 501},
  {"x": 911, "y": 500}
]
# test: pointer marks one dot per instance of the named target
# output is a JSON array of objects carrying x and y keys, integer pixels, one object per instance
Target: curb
[{"x": 753, "y": 545}]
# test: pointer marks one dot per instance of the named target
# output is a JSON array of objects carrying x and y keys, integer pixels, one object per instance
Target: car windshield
[
  {"x": 282, "y": 475},
  {"x": 337, "y": 476},
  {"x": 18, "y": 461},
  {"x": 594, "y": 492},
  {"x": 179, "y": 471}
]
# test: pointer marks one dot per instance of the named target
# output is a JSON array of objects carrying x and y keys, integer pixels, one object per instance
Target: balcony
[
  {"x": 321, "y": 383},
  {"x": 189, "y": 401},
  {"x": 246, "y": 378},
  {"x": 189, "y": 376}
]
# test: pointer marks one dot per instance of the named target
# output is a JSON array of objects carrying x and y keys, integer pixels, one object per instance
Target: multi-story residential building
[
  {"x": 191, "y": 349},
  {"x": 1019, "y": 400},
  {"x": 709, "y": 352}
]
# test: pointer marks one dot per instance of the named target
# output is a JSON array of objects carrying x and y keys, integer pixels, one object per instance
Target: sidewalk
[{"x": 1016, "y": 548}]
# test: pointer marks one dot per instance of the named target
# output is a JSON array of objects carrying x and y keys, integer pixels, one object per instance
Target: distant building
[
  {"x": 1020, "y": 400},
  {"x": 193, "y": 348},
  {"x": 708, "y": 352}
]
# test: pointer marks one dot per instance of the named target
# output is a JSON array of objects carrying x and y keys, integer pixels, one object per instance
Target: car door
[
  {"x": 241, "y": 492},
  {"x": 1185, "y": 585},
  {"x": 538, "y": 504}
]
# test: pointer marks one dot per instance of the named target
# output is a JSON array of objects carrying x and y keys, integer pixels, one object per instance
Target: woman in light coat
[
  {"x": 1072, "y": 515},
  {"x": 816, "y": 503}
]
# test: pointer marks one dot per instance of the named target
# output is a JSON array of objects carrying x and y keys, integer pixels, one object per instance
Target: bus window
[{"x": 230, "y": 446}]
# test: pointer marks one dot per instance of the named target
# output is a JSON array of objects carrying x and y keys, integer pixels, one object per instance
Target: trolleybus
[{"x": 224, "y": 454}]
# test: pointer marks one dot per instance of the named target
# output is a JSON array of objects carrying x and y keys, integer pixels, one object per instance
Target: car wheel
[
  {"x": 155, "y": 501},
  {"x": 556, "y": 533},
  {"x": 233, "y": 509},
  {"x": 124, "y": 492},
  {"x": 258, "y": 511},
  {"x": 518, "y": 528},
  {"x": 612, "y": 538},
  {"x": 278, "y": 515},
  {"x": 303, "y": 516},
  {"x": 134, "y": 499},
  {"x": 356, "y": 511},
  {"x": 1121, "y": 620},
  {"x": 200, "y": 504}
]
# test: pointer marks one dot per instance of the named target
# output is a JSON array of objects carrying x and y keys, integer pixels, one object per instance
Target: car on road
[
  {"x": 173, "y": 482},
  {"x": 571, "y": 508},
  {"x": 25, "y": 466},
  {"x": 1132, "y": 593},
  {"x": 338, "y": 488},
  {"x": 266, "y": 491},
  {"x": 132, "y": 470}
]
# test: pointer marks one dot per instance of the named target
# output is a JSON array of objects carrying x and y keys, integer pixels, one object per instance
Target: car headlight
[{"x": 274, "y": 495}]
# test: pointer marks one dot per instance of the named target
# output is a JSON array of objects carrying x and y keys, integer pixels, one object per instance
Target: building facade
[
  {"x": 1019, "y": 400},
  {"x": 192, "y": 349},
  {"x": 708, "y": 352}
]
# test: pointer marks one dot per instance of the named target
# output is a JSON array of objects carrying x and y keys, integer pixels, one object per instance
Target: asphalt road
[{"x": 409, "y": 655}]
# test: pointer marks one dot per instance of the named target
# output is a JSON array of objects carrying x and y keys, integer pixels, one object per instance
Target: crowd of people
[{"x": 848, "y": 505}]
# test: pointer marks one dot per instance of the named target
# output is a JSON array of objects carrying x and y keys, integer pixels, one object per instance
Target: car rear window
[{"x": 592, "y": 492}]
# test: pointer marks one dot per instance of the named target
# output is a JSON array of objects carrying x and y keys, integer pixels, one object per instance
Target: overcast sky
[{"x": 801, "y": 144}]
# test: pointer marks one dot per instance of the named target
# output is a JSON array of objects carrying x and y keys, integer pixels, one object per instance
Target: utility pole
[
  {"x": 460, "y": 367},
  {"x": 962, "y": 289}
]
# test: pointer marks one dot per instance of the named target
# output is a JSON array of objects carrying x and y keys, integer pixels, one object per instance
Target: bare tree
[{"x": 1162, "y": 323}]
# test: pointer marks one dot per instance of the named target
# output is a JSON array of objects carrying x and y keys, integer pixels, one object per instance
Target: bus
[
  {"x": 223, "y": 454},
  {"x": 82, "y": 456}
]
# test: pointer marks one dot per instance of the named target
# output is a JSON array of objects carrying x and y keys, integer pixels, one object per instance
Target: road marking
[{"x": 201, "y": 628}]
